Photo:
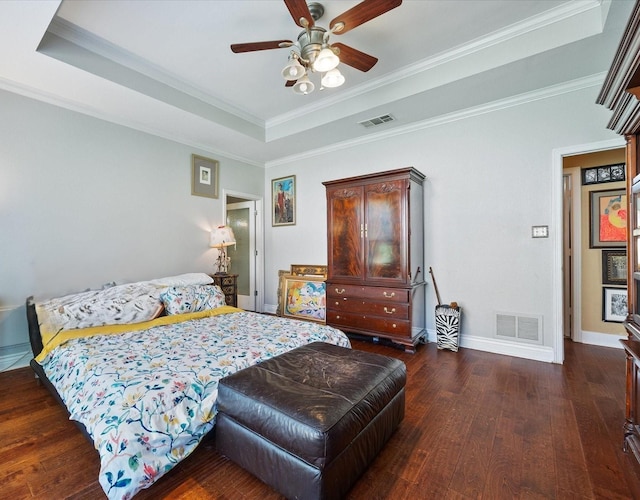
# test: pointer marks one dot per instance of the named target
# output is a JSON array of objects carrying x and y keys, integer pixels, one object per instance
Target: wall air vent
[
  {"x": 519, "y": 327},
  {"x": 378, "y": 120}
]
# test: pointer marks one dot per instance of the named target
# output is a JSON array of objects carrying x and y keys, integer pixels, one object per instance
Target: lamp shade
[
  {"x": 326, "y": 60},
  {"x": 222, "y": 236},
  {"x": 333, "y": 78},
  {"x": 304, "y": 86},
  {"x": 293, "y": 70}
]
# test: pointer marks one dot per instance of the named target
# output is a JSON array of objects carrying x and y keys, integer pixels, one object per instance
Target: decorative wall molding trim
[{"x": 518, "y": 100}]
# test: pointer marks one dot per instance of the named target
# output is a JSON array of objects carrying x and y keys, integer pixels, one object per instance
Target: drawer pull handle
[
  {"x": 393, "y": 310},
  {"x": 340, "y": 292},
  {"x": 394, "y": 325},
  {"x": 387, "y": 295}
]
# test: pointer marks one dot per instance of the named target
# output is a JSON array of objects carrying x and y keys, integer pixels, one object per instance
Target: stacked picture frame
[
  {"x": 608, "y": 232},
  {"x": 302, "y": 293}
]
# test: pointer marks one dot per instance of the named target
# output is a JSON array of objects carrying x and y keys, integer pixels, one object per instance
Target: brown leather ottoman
[{"x": 309, "y": 422}]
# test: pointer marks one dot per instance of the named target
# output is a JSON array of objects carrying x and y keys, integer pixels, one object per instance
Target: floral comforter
[{"x": 148, "y": 397}]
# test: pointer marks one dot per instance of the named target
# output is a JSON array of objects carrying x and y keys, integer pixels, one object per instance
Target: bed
[{"x": 137, "y": 367}]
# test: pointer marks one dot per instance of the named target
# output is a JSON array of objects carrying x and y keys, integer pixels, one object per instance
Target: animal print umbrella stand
[{"x": 447, "y": 321}]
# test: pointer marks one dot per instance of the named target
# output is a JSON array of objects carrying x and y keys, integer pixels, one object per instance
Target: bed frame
[{"x": 35, "y": 339}]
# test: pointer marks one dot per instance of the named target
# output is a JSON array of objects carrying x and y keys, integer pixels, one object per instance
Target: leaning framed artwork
[
  {"x": 304, "y": 297},
  {"x": 614, "y": 267},
  {"x": 204, "y": 176},
  {"x": 614, "y": 304},
  {"x": 283, "y": 196},
  {"x": 608, "y": 218}
]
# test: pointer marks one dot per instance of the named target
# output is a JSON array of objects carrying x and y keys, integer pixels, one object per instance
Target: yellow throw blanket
[{"x": 51, "y": 340}]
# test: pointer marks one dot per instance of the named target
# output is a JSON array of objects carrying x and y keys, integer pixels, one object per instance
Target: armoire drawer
[
  {"x": 379, "y": 293},
  {"x": 389, "y": 310},
  {"x": 368, "y": 323}
]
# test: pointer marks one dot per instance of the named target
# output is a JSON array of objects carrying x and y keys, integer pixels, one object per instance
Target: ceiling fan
[{"x": 313, "y": 52}]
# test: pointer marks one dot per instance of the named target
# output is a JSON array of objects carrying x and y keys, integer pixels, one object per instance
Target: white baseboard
[
  {"x": 602, "y": 339},
  {"x": 17, "y": 356},
  {"x": 270, "y": 309},
  {"x": 498, "y": 346}
]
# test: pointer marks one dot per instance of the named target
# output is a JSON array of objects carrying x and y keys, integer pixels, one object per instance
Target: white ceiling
[{"x": 165, "y": 66}]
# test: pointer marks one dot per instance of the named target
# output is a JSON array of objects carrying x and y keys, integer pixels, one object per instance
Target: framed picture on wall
[
  {"x": 614, "y": 267},
  {"x": 608, "y": 218},
  {"x": 204, "y": 176},
  {"x": 605, "y": 173},
  {"x": 614, "y": 304},
  {"x": 283, "y": 196}
]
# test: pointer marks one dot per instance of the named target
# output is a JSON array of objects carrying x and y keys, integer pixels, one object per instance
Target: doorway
[
  {"x": 243, "y": 214},
  {"x": 557, "y": 231}
]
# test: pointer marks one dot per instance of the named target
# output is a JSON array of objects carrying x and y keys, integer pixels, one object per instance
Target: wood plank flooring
[{"x": 477, "y": 426}]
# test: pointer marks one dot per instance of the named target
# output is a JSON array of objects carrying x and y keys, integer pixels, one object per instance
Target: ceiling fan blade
[
  {"x": 290, "y": 83},
  {"x": 354, "y": 58},
  {"x": 252, "y": 46},
  {"x": 299, "y": 10},
  {"x": 360, "y": 14}
]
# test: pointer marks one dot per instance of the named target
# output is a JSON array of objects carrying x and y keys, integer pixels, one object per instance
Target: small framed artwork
[
  {"x": 281, "y": 275},
  {"x": 608, "y": 218},
  {"x": 204, "y": 176},
  {"x": 614, "y": 304},
  {"x": 308, "y": 270},
  {"x": 283, "y": 195},
  {"x": 614, "y": 267},
  {"x": 304, "y": 297},
  {"x": 605, "y": 173}
]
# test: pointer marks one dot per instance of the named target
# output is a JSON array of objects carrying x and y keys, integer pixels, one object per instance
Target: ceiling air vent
[{"x": 378, "y": 120}]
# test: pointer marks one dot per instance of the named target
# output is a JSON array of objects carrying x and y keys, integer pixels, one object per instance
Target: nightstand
[{"x": 229, "y": 285}]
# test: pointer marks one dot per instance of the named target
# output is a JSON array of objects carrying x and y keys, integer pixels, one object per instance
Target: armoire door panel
[
  {"x": 385, "y": 244},
  {"x": 346, "y": 232}
]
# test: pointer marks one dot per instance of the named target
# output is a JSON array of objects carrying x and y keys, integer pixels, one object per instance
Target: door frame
[
  {"x": 557, "y": 231},
  {"x": 259, "y": 238}
]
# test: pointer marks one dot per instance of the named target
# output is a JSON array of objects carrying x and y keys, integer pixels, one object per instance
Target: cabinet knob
[
  {"x": 394, "y": 325},
  {"x": 389, "y": 295},
  {"x": 393, "y": 310}
]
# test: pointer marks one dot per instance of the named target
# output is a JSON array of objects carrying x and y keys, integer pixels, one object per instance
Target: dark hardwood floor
[{"x": 477, "y": 425}]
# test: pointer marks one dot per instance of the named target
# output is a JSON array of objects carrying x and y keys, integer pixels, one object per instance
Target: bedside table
[{"x": 229, "y": 285}]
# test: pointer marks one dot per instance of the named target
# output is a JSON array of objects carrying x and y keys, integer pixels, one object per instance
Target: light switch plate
[{"x": 539, "y": 231}]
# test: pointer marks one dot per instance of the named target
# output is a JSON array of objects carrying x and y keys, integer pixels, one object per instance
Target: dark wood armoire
[
  {"x": 375, "y": 272},
  {"x": 620, "y": 93}
]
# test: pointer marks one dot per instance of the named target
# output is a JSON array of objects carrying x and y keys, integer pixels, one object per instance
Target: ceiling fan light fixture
[
  {"x": 326, "y": 60},
  {"x": 304, "y": 86},
  {"x": 294, "y": 70},
  {"x": 333, "y": 78}
]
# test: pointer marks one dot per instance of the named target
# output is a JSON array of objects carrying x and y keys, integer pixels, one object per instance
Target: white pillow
[{"x": 183, "y": 280}]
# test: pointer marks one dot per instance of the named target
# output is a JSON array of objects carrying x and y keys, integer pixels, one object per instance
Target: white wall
[
  {"x": 489, "y": 179},
  {"x": 84, "y": 202}
]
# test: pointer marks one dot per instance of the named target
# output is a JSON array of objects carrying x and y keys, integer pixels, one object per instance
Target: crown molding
[
  {"x": 70, "y": 105},
  {"x": 503, "y": 36},
  {"x": 518, "y": 100},
  {"x": 88, "y": 41}
]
